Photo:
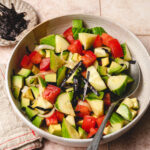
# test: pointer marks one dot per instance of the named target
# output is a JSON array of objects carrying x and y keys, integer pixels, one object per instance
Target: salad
[{"x": 66, "y": 85}]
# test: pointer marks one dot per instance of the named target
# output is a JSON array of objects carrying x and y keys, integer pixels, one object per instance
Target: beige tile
[
  {"x": 134, "y": 14},
  {"x": 136, "y": 139},
  {"x": 146, "y": 41},
  {"x": 51, "y": 8},
  {"x": 52, "y": 146}
]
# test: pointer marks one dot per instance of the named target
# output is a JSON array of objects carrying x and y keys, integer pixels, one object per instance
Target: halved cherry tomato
[
  {"x": 45, "y": 64},
  {"x": 25, "y": 62},
  {"x": 98, "y": 42},
  {"x": 88, "y": 123},
  {"x": 75, "y": 47},
  {"x": 51, "y": 92},
  {"x": 100, "y": 120},
  {"x": 92, "y": 132},
  {"x": 59, "y": 115},
  {"x": 69, "y": 35},
  {"x": 106, "y": 38},
  {"x": 52, "y": 119},
  {"x": 82, "y": 110},
  {"x": 89, "y": 58},
  {"x": 107, "y": 99},
  {"x": 35, "y": 57},
  {"x": 84, "y": 74},
  {"x": 115, "y": 47}
]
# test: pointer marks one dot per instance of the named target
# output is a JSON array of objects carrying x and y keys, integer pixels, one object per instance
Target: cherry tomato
[
  {"x": 59, "y": 115},
  {"x": 52, "y": 119},
  {"x": 45, "y": 64},
  {"x": 35, "y": 57},
  {"x": 106, "y": 38},
  {"x": 92, "y": 132},
  {"x": 69, "y": 35},
  {"x": 98, "y": 42},
  {"x": 107, "y": 99}
]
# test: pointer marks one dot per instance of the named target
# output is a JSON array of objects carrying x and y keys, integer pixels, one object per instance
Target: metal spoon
[{"x": 135, "y": 73}]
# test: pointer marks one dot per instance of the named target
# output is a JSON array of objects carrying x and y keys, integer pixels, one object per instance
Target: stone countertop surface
[{"x": 133, "y": 14}]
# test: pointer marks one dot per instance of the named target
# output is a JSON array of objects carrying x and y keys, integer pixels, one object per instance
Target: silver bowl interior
[{"x": 57, "y": 26}]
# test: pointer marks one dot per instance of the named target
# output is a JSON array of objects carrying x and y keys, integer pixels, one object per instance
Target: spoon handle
[{"x": 94, "y": 145}]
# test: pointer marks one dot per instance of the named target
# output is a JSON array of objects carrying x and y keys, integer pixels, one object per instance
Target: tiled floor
[{"x": 133, "y": 14}]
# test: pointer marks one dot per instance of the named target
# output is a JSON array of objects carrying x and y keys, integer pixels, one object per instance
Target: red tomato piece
[
  {"x": 35, "y": 57},
  {"x": 69, "y": 35},
  {"x": 83, "y": 52},
  {"x": 100, "y": 120},
  {"x": 98, "y": 42},
  {"x": 106, "y": 38},
  {"x": 45, "y": 64},
  {"x": 88, "y": 123},
  {"x": 59, "y": 115},
  {"x": 89, "y": 58},
  {"x": 75, "y": 47},
  {"x": 51, "y": 92},
  {"x": 82, "y": 110},
  {"x": 115, "y": 47},
  {"x": 25, "y": 61},
  {"x": 92, "y": 132},
  {"x": 107, "y": 99},
  {"x": 52, "y": 119}
]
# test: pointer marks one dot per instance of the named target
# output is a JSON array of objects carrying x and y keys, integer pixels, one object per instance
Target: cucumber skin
[{"x": 115, "y": 118}]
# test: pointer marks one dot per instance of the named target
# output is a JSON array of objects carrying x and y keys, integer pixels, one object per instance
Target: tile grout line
[{"x": 100, "y": 7}]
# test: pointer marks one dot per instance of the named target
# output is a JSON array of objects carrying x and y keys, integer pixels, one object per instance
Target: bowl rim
[{"x": 41, "y": 131}]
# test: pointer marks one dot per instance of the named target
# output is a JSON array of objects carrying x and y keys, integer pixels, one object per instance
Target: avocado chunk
[
  {"x": 55, "y": 61},
  {"x": 105, "y": 61},
  {"x": 127, "y": 101},
  {"x": 107, "y": 130},
  {"x": 102, "y": 70},
  {"x": 134, "y": 113},
  {"x": 95, "y": 79},
  {"x": 35, "y": 70},
  {"x": 125, "y": 112},
  {"x": 126, "y": 51},
  {"x": 68, "y": 131},
  {"x": 71, "y": 120},
  {"x": 48, "y": 40},
  {"x": 25, "y": 102},
  {"x": 135, "y": 103},
  {"x": 55, "y": 129},
  {"x": 117, "y": 84},
  {"x": 38, "y": 121},
  {"x": 100, "y": 52},
  {"x": 24, "y": 72},
  {"x": 16, "y": 92},
  {"x": 42, "y": 52},
  {"x": 35, "y": 91},
  {"x": 31, "y": 112},
  {"x": 27, "y": 93},
  {"x": 130, "y": 79},
  {"x": 82, "y": 133},
  {"x": 61, "y": 44},
  {"x": 50, "y": 77},
  {"x": 42, "y": 82},
  {"x": 114, "y": 68},
  {"x": 76, "y": 57},
  {"x": 63, "y": 104},
  {"x": 31, "y": 80},
  {"x": 76, "y": 23},
  {"x": 61, "y": 73},
  {"x": 64, "y": 55},
  {"x": 97, "y": 106},
  {"x": 87, "y": 39}
]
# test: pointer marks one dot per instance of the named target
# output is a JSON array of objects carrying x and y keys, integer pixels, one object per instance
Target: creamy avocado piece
[
  {"x": 71, "y": 120},
  {"x": 50, "y": 77},
  {"x": 68, "y": 131},
  {"x": 35, "y": 70},
  {"x": 35, "y": 91},
  {"x": 102, "y": 70},
  {"x": 27, "y": 93},
  {"x": 82, "y": 133},
  {"x": 105, "y": 61},
  {"x": 114, "y": 68},
  {"x": 24, "y": 72},
  {"x": 55, "y": 129}
]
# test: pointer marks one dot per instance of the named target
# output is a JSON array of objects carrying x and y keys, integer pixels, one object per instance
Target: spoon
[{"x": 135, "y": 73}]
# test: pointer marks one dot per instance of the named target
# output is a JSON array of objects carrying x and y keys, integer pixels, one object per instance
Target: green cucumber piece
[
  {"x": 31, "y": 112},
  {"x": 117, "y": 84},
  {"x": 82, "y": 133},
  {"x": 28, "y": 93},
  {"x": 55, "y": 61},
  {"x": 126, "y": 51},
  {"x": 64, "y": 55},
  {"x": 94, "y": 96},
  {"x": 24, "y": 72},
  {"x": 77, "y": 23},
  {"x": 55, "y": 129},
  {"x": 130, "y": 79},
  {"x": 61, "y": 73},
  {"x": 35, "y": 91},
  {"x": 71, "y": 120},
  {"x": 48, "y": 40},
  {"x": 42, "y": 82},
  {"x": 16, "y": 92},
  {"x": 63, "y": 104},
  {"x": 98, "y": 30},
  {"x": 102, "y": 70},
  {"x": 38, "y": 121},
  {"x": 50, "y": 77},
  {"x": 114, "y": 68},
  {"x": 95, "y": 79},
  {"x": 115, "y": 118},
  {"x": 124, "y": 111},
  {"x": 25, "y": 102},
  {"x": 17, "y": 81},
  {"x": 68, "y": 131}
]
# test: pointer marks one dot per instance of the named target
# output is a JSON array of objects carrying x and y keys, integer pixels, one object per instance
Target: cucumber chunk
[
  {"x": 30, "y": 112},
  {"x": 71, "y": 120},
  {"x": 61, "y": 44},
  {"x": 125, "y": 112},
  {"x": 38, "y": 121},
  {"x": 55, "y": 129},
  {"x": 63, "y": 104},
  {"x": 117, "y": 84},
  {"x": 126, "y": 51},
  {"x": 24, "y": 72},
  {"x": 82, "y": 133},
  {"x": 95, "y": 79},
  {"x": 35, "y": 91},
  {"x": 94, "y": 96},
  {"x": 87, "y": 39},
  {"x": 27, "y": 93},
  {"x": 114, "y": 68},
  {"x": 61, "y": 73},
  {"x": 25, "y": 102},
  {"x": 68, "y": 131},
  {"x": 100, "y": 52},
  {"x": 48, "y": 40},
  {"x": 102, "y": 70},
  {"x": 77, "y": 23},
  {"x": 50, "y": 77}
]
